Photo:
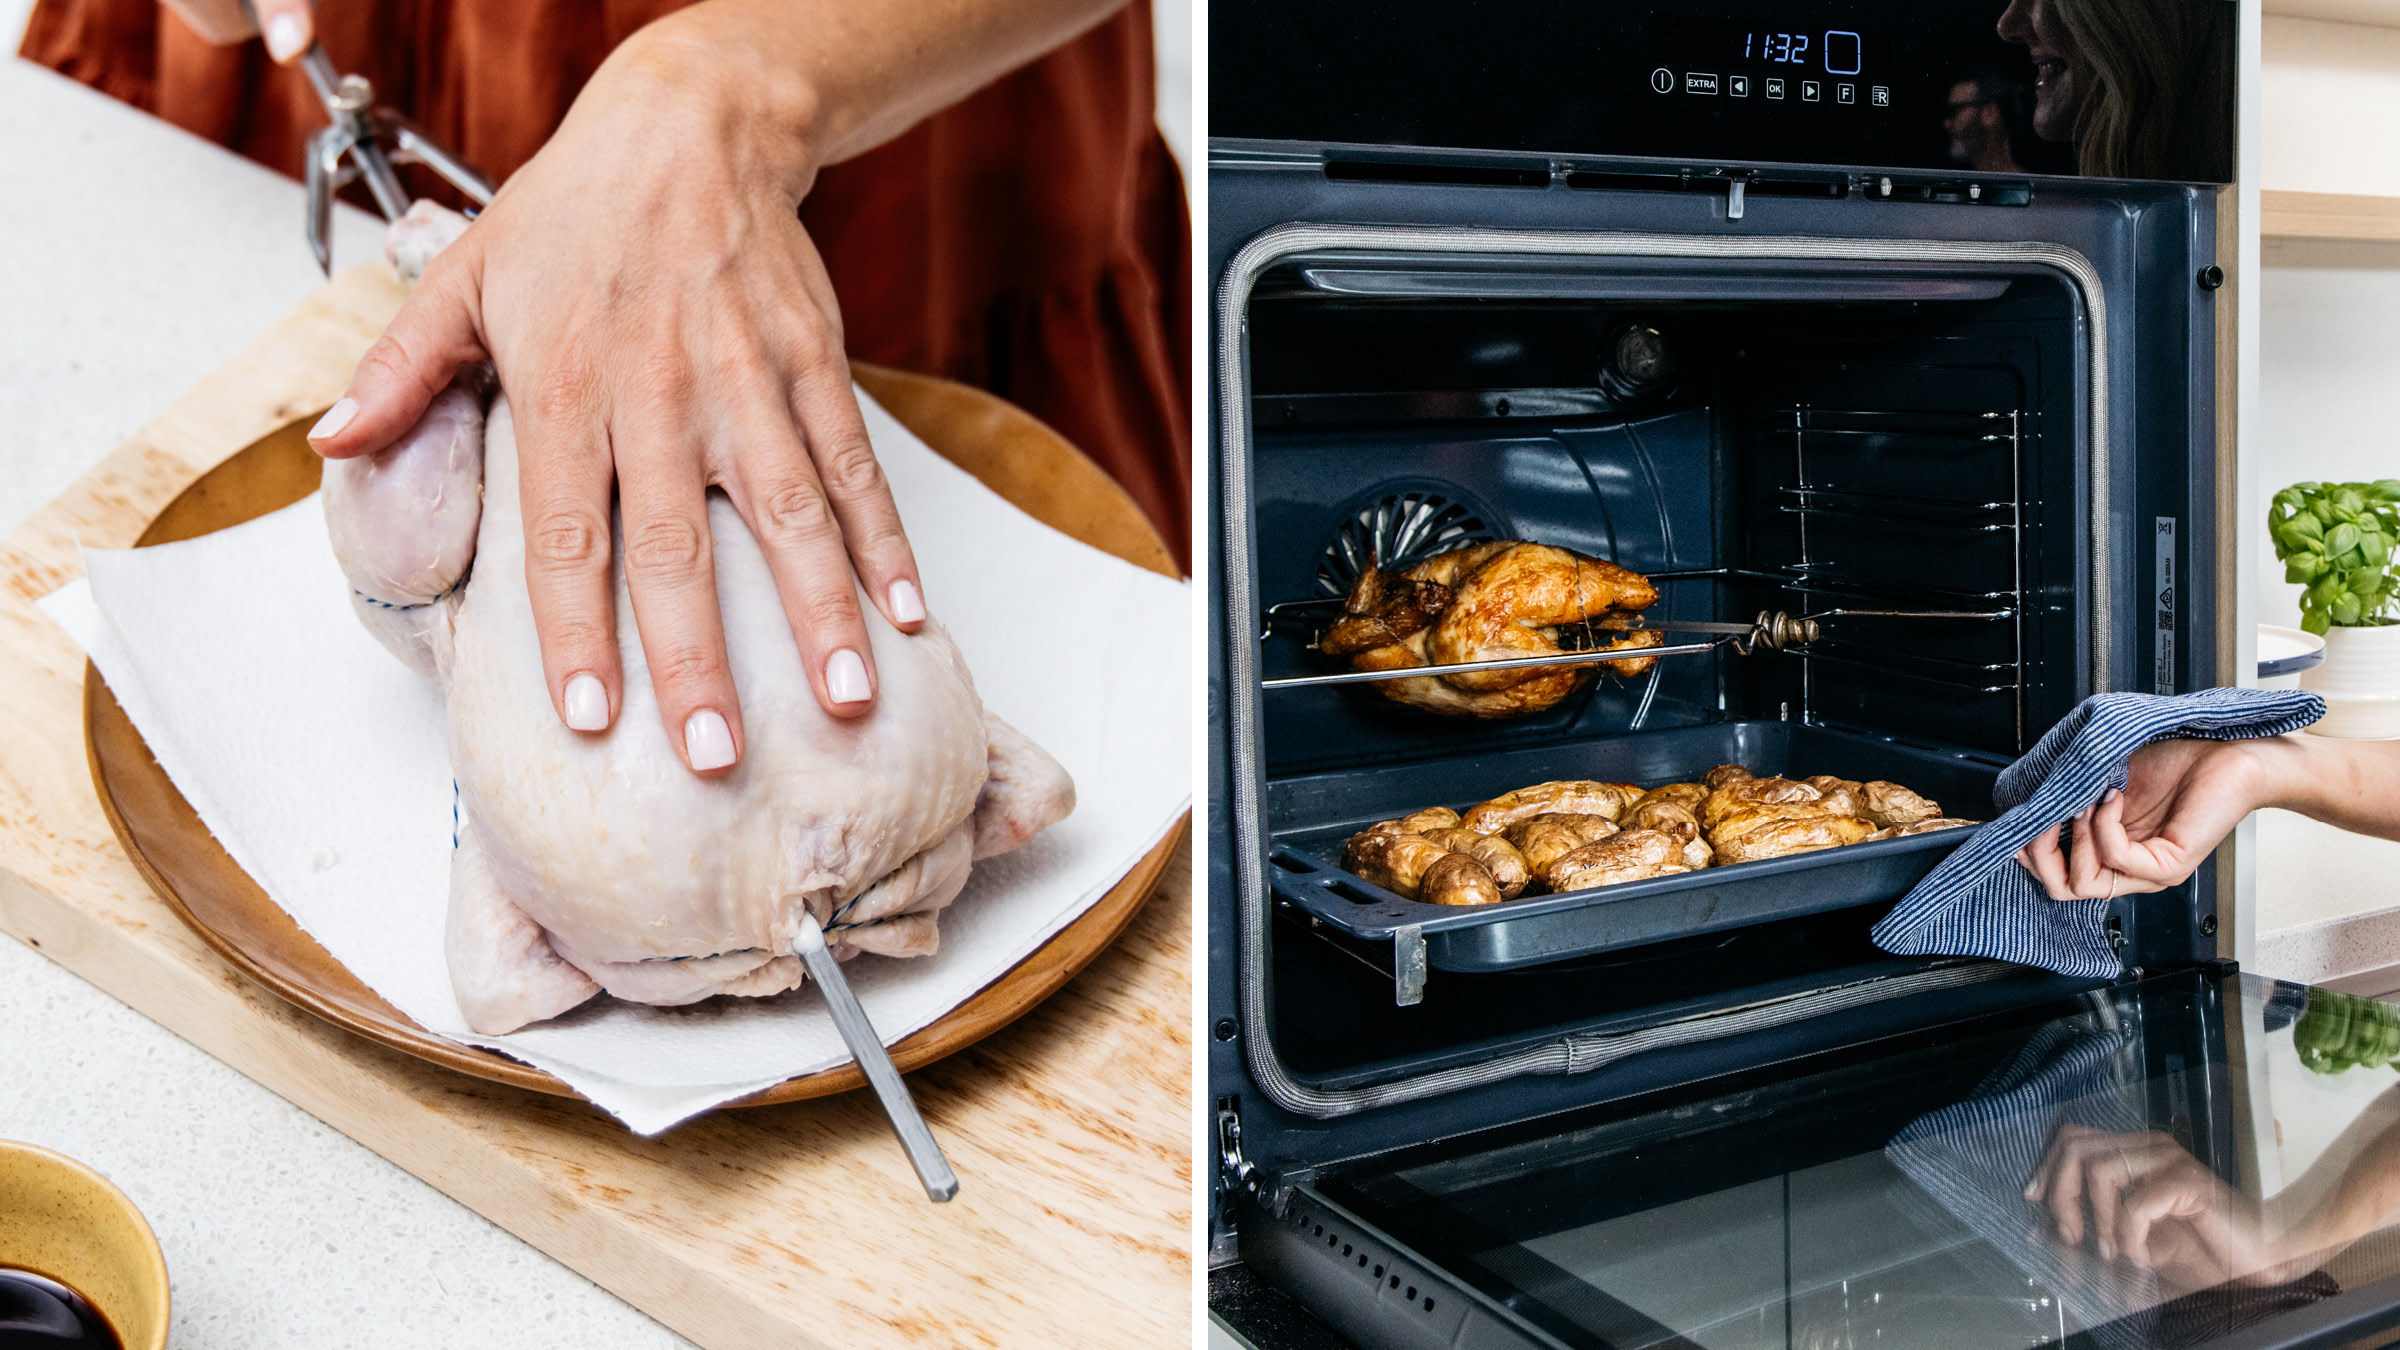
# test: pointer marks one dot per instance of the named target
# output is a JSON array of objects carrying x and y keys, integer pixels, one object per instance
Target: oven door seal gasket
[{"x": 1233, "y": 420}]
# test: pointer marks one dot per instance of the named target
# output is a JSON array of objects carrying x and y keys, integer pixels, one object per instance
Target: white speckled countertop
[{"x": 133, "y": 260}]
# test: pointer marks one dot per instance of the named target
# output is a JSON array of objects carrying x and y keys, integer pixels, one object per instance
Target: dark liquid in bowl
[{"x": 39, "y": 1313}]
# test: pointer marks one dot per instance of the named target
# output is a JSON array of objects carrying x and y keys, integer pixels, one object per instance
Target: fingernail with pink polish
[
  {"x": 707, "y": 741},
  {"x": 336, "y": 417},
  {"x": 846, "y": 678},
  {"x": 908, "y": 604},
  {"x": 587, "y": 704}
]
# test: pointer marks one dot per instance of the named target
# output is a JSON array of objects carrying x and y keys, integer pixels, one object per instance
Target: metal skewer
[
  {"x": 1510, "y": 663},
  {"x": 1772, "y": 630},
  {"x": 357, "y": 134},
  {"x": 867, "y": 1048}
]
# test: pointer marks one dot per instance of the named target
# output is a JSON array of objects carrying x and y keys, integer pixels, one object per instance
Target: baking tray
[{"x": 1313, "y": 816}]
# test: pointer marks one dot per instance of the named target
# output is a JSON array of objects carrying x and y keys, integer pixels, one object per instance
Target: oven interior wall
[{"x": 1870, "y": 455}]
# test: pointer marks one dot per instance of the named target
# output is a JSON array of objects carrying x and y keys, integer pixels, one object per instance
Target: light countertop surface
[
  {"x": 2328, "y": 900},
  {"x": 133, "y": 260}
]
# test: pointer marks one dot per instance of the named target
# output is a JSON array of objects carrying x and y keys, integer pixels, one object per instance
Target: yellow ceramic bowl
[{"x": 61, "y": 1219}]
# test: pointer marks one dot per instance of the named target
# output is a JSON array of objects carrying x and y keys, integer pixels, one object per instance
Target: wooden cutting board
[{"x": 793, "y": 1225}]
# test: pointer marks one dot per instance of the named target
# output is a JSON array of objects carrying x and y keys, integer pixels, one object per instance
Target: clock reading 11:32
[{"x": 1838, "y": 50}]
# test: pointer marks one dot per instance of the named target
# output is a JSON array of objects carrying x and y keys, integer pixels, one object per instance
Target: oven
[{"x": 1921, "y": 438}]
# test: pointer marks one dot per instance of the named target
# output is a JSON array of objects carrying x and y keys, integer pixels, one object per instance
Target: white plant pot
[{"x": 2360, "y": 679}]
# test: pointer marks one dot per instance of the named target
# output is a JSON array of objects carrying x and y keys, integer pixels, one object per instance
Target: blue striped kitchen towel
[{"x": 1979, "y": 902}]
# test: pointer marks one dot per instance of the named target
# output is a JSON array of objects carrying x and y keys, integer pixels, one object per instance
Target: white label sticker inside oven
[{"x": 2163, "y": 676}]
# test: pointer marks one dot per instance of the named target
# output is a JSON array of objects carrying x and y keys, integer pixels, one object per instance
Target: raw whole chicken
[{"x": 590, "y": 862}]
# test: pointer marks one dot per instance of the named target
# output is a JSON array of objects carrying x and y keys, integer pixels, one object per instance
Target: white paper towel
[{"x": 318, "y": 761}]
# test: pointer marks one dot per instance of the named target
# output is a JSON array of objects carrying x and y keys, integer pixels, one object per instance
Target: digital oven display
[
  {"x": 1782, "y": 54},
  {"x": 1839, "y": 51},
  {"x": 1866, "y": 83}
]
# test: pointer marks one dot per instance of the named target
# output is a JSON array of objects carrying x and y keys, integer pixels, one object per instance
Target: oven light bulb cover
[{"x": 1637, "y": 363}]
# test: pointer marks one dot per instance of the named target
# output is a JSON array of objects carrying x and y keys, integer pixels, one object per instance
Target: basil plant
[{"x": 2336, "y": 539}]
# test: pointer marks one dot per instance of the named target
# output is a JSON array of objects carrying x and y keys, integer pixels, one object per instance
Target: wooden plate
[{"x": 1013, "y": 454}]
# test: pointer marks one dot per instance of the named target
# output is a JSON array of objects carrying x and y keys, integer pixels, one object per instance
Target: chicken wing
[
  {"x": 1775, "y": 829},
  {"x": 1567, "y": 796},
  {"x": 1891, "y": 804},
  {"x": 1544, "y": 839},
  {"x": 1627, "y": 855}
]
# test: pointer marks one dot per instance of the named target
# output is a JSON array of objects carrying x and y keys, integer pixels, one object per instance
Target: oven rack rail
[{"x": 1813, "y": 501}]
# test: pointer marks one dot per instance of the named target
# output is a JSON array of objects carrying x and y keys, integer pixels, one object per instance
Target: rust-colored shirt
[{"x": 1032, "y": 240}]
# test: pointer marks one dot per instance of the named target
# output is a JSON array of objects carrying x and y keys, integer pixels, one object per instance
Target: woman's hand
[
  {"x": 663, "y": 326},
  {"x": 2153, "y": 1205},
  {"x": 2181, "y": 798},
  {"x": 287, "y": 24}
]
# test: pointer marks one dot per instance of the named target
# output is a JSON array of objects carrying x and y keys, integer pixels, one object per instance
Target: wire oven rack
[{"x": 1818, "y": 505}]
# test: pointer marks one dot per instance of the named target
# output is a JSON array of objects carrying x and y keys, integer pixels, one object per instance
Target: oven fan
[{"x": 1398, "y": 530}]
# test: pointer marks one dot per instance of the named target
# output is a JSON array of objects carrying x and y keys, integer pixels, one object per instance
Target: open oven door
[{"x": 2247, "y": 1132}]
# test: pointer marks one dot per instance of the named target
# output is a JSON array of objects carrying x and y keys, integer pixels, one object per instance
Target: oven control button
[
  {"x": 1694, "y": 82},
  {"x": 1737, "y": 86},
  {"x": 1880, "y": 96},
  {"x": 1774, "y": 88},
  {"x": 1845, "y": 93},
  {"x": 1808, "y": 91},
  {"x": 1663, "y": 80}
]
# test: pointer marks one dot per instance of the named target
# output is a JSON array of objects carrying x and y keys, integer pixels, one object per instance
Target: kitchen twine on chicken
[
  {"x": 1980, "y": 902},
  {"x": 386, "y": 604}
]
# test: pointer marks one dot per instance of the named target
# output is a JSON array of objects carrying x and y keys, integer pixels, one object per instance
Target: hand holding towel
[{"x": 1980, "y": 902}]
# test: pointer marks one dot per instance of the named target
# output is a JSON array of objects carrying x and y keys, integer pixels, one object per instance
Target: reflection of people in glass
[
  {"x": 1984, "y": 109},
  {"x": 2144, "y": 1200},
  {"x": 2141, "y": 88}
]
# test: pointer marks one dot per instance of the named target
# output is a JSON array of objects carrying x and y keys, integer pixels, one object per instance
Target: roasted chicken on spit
[
  {"x": 1573, "y": 835},
  {"x": 1490, "y": 602}
]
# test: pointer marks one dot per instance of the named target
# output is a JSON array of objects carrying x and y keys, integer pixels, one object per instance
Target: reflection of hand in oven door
[{"x": 2142, "y": 1199}]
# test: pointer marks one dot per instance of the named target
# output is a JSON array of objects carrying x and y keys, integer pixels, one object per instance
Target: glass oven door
[{"x": 2191, "y": 1160}]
